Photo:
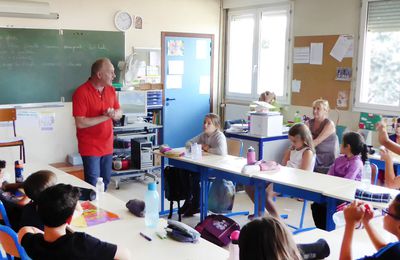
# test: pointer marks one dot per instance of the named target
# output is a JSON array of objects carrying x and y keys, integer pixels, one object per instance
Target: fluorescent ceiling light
[{"x": 26, "y": 9}]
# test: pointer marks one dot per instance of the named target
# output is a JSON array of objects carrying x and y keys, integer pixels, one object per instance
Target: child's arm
[
  {"x": 27, "y": 229},
  {"x": 328, "y": 129},
  {"x": 306, "y": 160},
  {"x": 391, "y": 180},
  {"x": 352, "y": 215},
  {"x": 373, "y": 235},
  {"x": 384, "y": 139},
  {"x": 122, "y": 253},
  {"x": 11, "y": 186},
  {"x": 286, "y": 157}
]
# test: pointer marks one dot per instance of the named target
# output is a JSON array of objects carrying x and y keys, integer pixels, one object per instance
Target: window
[
  {"x": 378, "y": 84},
  {"x": 258, "y": 49}
]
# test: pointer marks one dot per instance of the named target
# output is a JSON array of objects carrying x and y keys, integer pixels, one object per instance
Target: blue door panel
[{"x": 183, "y": 117}]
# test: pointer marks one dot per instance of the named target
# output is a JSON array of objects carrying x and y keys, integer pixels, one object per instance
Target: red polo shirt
[{"x": 88, "y": 102}]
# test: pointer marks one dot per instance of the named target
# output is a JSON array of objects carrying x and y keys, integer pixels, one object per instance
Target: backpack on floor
[
  {"x": 217, "y": 229},
  {"x": 177, "y": 186},
  {"x": 221, "y": 196}
]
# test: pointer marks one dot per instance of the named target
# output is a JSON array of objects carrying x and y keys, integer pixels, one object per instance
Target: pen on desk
[{"x": 146, "y": 237}]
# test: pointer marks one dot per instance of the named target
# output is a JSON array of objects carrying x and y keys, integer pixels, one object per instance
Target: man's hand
[{"x": 110, "y": 112}]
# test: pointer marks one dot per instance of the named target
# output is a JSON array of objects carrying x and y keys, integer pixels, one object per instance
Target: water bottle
[
  {"x": 297, "y": 117},
  {"x": 251, "y": 156},
  {"x": 19, "y": 169},
  {"x": 338, "y": 219},
  {"x": 151, "y": 199},
  {"x": 234, "y": 246},
  {"x": 99, "y": 190},
  {"x": 366, "y": 175}
]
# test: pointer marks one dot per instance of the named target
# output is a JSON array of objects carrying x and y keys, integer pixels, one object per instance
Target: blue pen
[{"x": 146, "y": 237}]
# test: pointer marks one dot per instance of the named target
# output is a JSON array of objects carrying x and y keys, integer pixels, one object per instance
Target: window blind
[{"x": 383, "y": 16}]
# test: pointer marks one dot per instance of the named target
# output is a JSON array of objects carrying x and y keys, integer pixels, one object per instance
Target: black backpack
[{"x": 177, "y": 186}]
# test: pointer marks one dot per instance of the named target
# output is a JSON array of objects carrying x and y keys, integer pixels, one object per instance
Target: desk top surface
[{"x": 125, "y": 231}]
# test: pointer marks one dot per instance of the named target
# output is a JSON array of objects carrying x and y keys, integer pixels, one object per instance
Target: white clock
[{"x": 123, "y": 21}]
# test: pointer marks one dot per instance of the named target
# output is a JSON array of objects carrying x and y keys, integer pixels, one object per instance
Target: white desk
[
  {"x": 125, "y": 231},
  {"x": 361, "y": 246}
]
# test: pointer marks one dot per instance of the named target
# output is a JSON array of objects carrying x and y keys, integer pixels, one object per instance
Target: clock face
[{"x": 123, "y": 21}]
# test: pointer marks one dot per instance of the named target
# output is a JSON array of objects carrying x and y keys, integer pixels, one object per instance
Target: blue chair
[
  {"x": 375, "y": 173},
  {"x": 10, "y": 244},
  {"x": 3, "y": 214},
  {"x": 340, "y": 129}
]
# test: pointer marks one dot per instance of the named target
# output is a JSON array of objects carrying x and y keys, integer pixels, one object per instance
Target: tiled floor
[{"x": 135, "y": 189}]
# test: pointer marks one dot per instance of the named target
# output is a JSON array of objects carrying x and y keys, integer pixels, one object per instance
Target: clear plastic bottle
[
  {"x": 366, "y": 175},
  {"x": 297, "y": 117},
  {"x": 19, "y": 169},
  {"x": 338, "y": 219},
  {"x": 151, "y": 215},
  {"x": 99, "y": 190}
]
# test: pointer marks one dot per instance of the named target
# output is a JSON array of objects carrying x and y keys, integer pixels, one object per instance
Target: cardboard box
[
  {"x": 157, "y": 86},
  {"x": 266, "y": 125},
  {"x": 144, "y": 86}
]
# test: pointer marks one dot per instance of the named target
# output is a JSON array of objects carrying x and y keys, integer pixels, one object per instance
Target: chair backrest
[
  {"x": 9, "y": 242},
  {"x": 374, "y": 173},
  {"x": 340, "y": 129},
  {"x": 9, "y": 115},
  {"x": 3, "y": 214},
  {"x": 235, "y": 147}
]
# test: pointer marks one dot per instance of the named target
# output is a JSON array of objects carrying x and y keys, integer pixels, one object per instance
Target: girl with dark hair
[
  {"x": 267, "y": 239},
  {"x": 354, "y": 154},
  {"x": 349, "y": 165}
]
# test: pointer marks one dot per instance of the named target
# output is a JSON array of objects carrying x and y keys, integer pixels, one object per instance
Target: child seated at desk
[
  {"x": 349, "y": 165},
  {"x": 212, "y": 140},
  {"x": 21, "y": 206},
  {"x": 300, "y": 155},
  {"x": 56, "y": 206},
  {"x": 360, "y": 212},
  {"x": 391, "y": 180}
]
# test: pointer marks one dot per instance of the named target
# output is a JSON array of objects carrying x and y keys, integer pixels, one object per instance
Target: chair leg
[
  {"x": 171, "y": 207},
  {"x": 179, "y": 210},
  {"x": 303, "y": 212}
]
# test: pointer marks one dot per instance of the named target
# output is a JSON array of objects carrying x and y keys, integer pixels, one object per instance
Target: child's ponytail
[{"x": 364, "y": 153}]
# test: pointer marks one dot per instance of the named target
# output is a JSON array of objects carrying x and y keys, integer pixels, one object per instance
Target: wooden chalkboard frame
[
  {"x": 43, "y": 67},
  {"x": 318, "y": 81}
]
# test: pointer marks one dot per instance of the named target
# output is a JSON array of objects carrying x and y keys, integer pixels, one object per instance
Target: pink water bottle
[
  {"x": 234, "y": 246},
  {"x": 251, "y": 156}
]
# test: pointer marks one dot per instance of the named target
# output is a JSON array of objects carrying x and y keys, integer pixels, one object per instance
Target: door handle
[{"x": 169, "y": 99}]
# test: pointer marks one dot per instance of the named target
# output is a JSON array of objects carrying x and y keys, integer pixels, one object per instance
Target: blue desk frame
[
  {"x": 259, "y": 184},
  {"x": 205, "y": 174},
  {"x": 260, "y": 140}
]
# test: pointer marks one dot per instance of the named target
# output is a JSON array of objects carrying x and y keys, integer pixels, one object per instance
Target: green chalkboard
[{"x": 44, "y": 65}]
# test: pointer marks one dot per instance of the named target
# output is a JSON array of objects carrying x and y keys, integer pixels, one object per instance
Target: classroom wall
[
  {"x": 322, "y": 17},
  {"x": 194, "y": 16}
]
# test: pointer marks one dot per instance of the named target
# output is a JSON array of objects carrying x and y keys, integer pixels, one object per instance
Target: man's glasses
[{"x": 386, "y": 212}]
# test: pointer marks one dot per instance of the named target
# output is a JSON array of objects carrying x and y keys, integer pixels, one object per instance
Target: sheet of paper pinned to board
[
  {"x": 174, "y": 81},
  {"x": 176, "y": 67},
  {"x": 341, "y": 47},
  {"x": 204, "y": 85},
  {"x": 316, "y": 53},
  {"x": 296, "y": 85},
  {"x": 301, "y": 55},
  {"x": 47, "y": 120},
  {"x": 202, "y": 49}
]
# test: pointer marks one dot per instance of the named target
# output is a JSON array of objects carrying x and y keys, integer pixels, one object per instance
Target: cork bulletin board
[{"x": 319, "y": 81}]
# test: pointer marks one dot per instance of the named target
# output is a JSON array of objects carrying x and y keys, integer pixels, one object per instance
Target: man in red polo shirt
[{"x": 95, "y": 105}]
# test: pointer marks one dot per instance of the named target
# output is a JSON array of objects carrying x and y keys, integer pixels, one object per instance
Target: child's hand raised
[
  {"x": 384, "y": 153},
  {"x": 354, "y": 213},
  {"x": 382, "y": 133}
]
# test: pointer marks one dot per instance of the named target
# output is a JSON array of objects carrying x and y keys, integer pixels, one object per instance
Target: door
[{"x": 187, "y": 64}]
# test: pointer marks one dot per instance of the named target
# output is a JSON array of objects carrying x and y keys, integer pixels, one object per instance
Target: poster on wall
[
  {"x": 368, "y": 121},
  {"x": 175, "y": 48}
]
